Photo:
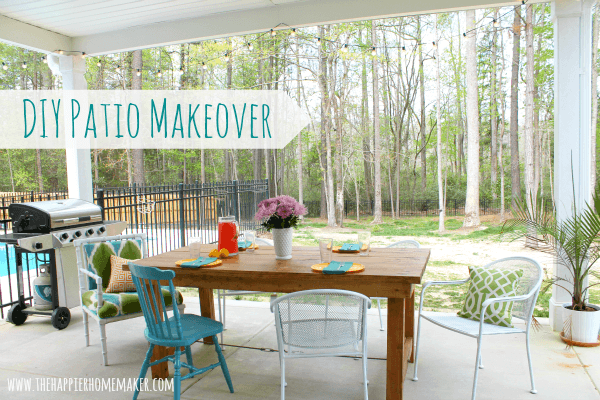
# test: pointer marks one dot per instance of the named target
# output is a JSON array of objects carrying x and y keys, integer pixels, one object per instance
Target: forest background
[{"x": 438, "y": 107}]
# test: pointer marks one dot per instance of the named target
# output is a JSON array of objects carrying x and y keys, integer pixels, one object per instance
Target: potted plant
[
  {"x": 281, "y": 215},
  {"x": 575, "y": 243}
]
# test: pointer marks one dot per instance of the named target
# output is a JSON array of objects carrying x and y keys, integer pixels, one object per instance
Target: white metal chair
[
  {"x": 523, "y": 306},
  {"x": 103, "y": 307},
  {"x": 403, "y": 244},
  {"x": 223, "y": 293},
  {"x": 321, "y": 323}
]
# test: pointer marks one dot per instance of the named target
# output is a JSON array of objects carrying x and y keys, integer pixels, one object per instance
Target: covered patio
[
  {"x": 445, "y": 366},
  {"x": 39, "y": 351}
]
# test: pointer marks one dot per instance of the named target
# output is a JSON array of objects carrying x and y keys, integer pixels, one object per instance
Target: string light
[
  {"x": 272, "y": 32},
  {"x": 4, "y": 66},
  {"x": 118, "y": 70},
  {"x": 496, "y": 23},
  {"x": 227, "y": 57},
  {"x": 61, "y": 52},
  {"x": 434, "y": 45},
  {"x": 99, "y": 63},
  {"x": 344, "y": 49},
  {"x": 250, "y": 46},
  {"x": 159, "y": 74},
  {"x": 293, "y": 33},
  {"x": 318, "y": 40},
  {"x": 403, "y": 49},
  {"x": 24, "y": 65},
  {"x": 204, "y": 66},
  {"x": 139, "y": 72},
  {"x": 44, "y": 60},
  {"x": 83, "y": 55},
  {"x": 373, "y": 51}
]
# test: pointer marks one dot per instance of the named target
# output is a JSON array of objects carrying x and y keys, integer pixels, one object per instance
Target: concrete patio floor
[{"x": 36, "y": 350}]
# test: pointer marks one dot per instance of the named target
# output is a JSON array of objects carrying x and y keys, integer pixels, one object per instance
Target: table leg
[
  {"x": 410, "y": 323},
  {"x": 207, "y": 307},
  {"x": 396, "y": 356}
]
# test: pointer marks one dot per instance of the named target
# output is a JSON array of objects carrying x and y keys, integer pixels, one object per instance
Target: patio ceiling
[{"x": 103, "y": 27}]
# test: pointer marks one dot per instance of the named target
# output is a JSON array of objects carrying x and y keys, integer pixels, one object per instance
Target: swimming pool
[{"x": 11, "y": 259}]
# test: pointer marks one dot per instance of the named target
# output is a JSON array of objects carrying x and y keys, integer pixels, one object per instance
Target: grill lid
[{"x": 44, "y": 216}]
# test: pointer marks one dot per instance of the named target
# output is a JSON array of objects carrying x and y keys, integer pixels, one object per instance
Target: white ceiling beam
[
  {"x": 297, "y": 14},
  {"x": 31, "y": 37}
]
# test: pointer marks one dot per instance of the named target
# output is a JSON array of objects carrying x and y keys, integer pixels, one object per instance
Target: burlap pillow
[{"x": 120, "y": 281}]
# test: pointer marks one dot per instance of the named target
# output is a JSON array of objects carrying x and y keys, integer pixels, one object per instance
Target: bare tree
[
  {"x": 530, "y": 188},
  {"x": 494, "y": 111},
  {"x": 514, "y": 108},
  {"x": 137, "y": 155},
  {"x": 438, "y": 115},
  {"x": 596, "y": 29},
  {"x": 377, "y": 215},
  {"x": 472, "y": 200}
]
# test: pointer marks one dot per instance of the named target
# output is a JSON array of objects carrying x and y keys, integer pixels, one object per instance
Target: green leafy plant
[{"x": 574, "y": 241}]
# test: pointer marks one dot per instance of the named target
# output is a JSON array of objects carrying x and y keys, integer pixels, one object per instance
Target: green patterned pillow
[{"x": 491, "y": 283}]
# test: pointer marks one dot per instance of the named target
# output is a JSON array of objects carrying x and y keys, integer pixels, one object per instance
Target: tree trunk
[
  {"x": 494, "y": 112},
  {"x": 472, "y": 200},
  {"x": 324, "y": 122},
  {"x": 367, "y": 156},
  {"x": 38, "y": 162},
  {"x": 423, "y": 122},
  {"x": 514, "y": 109},
  {"x": 377, "y": 214},
  {"x": 438, "y": 115},
  {"x": 530, "y": 189},
  {"x": 339, "y": 181},
  {"x": 137, "y": 154},
  {"x": 299, "y": 138}
]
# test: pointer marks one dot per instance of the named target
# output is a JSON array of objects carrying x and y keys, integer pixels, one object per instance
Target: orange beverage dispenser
[{"x": 228, "y": 234}]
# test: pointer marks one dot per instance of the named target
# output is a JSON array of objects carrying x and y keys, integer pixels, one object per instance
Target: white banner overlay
[{"x": 148, "y": 119}]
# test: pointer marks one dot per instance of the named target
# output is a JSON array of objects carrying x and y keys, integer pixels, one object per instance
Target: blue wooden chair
[{"x": 178, "y": 331}]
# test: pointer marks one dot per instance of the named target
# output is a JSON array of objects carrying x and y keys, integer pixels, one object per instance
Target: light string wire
[{"x": 343, "y": 47}]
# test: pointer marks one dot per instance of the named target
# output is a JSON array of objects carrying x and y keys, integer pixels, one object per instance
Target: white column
[
  {"x": 79, "y": 164},
  {"x": 572, "y": 119}
]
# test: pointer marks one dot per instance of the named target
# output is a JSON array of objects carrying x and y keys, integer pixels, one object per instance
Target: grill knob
[
  {"x": 101, "y": 230},
  {"x": 77, "y": 234},
  {"x": 38, "y": 246},
  {"x": 89, "y": 232},
  {"x": 64, "y": 236}
]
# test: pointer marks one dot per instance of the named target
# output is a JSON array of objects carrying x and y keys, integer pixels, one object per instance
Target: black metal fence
[
  {"x": 168, "y": 214},
  {"x": 409, "y": 208}
]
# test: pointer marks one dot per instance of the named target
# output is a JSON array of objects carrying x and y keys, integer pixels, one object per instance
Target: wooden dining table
[{"x": 389, "y": 272}]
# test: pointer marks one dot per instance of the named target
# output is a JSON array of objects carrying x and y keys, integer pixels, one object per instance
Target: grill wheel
[{"x": 61, "y": 318}]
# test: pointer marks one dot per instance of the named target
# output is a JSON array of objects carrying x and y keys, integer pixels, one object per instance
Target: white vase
[
  {"x": 584, "y": 324},
  {"x": 282, "y": 241}
]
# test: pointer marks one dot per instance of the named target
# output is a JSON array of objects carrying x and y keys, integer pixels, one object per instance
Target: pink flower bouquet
[{"x": 280, "y": 212}]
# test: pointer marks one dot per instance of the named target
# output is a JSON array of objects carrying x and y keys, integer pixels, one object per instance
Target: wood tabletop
[{"x": 388, "y": 272}]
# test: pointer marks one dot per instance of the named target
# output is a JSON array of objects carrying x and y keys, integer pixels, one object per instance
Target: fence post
[
  {"x": 135, "y": 208},
  {"x": 181, "y": 215},
  {"x": 236, "y": 206},
  {"x": 100, "y": 200}
]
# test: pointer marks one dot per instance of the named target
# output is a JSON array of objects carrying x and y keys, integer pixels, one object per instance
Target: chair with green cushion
[
  {"x": 497, "y": 292},
  {"x": 94, "y": 268}
]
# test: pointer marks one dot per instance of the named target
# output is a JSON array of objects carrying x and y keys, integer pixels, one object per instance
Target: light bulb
[
  {"x": 44, "y": 60},
  {"x": 24, "y": 65},
  {"x": 139, "y": 72},
  {"x": 118, "y": 69},
  {"x": 434, "y": 45},
  {"x": 403, "y": 49},
  {"x": 226, "y": 57},
  {"x": 250, "y": 47},
  {"x": 159, "y": 74},
  {"x": 99, "y": 63},
  {"x": 61, "y": 52},
  {"x": 496, "y": 23},
  {"x": 204, "y": 66},
  {"x": 293, "y": 33},
  {"x": 272, "y": 32},
  {"x": 4, "y": 66},
  {"x": 319, "y": 40},
  {"x": 373, "y": 51},
  {"x": 344, "y": 49},
  {"x": 83, "y": 55}
]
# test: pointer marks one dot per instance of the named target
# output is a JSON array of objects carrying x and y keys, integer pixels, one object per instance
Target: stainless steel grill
[{"x": 49, "y": 228}]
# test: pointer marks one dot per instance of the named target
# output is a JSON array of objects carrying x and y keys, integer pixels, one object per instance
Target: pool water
[{"x": 11, "y": 260}]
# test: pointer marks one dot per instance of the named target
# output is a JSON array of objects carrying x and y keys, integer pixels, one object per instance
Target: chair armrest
[
  {"x": 488, "y": 302},
  {"x": 98, "y": 280}
]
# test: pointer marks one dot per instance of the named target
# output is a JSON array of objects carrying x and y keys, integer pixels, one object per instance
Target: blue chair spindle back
[{"x": 147, "y": 283}]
